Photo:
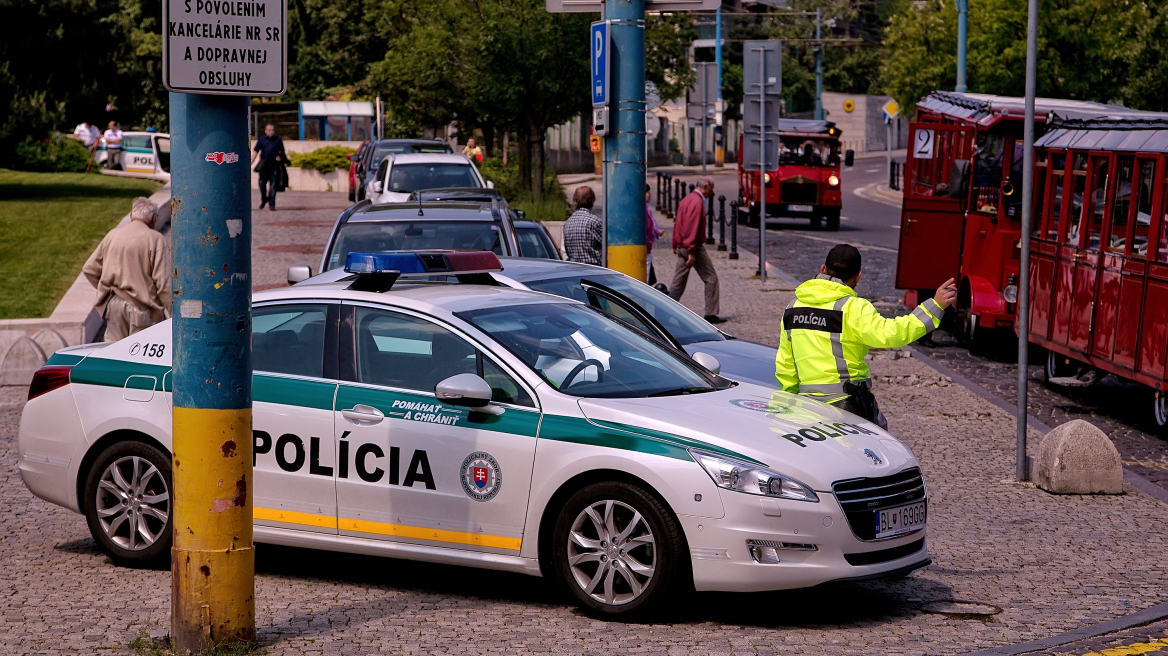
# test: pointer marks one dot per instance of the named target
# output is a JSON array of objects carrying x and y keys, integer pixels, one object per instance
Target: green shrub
[
  {"x": 54, "y": 154},
  {"x": 324, "y": 160},
  {"x": 553, "y": 206}
]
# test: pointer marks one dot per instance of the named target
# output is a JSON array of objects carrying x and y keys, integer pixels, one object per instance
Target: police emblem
[
  {"x": 481, "y": 476},
  {"x": 752, "y": 404}
]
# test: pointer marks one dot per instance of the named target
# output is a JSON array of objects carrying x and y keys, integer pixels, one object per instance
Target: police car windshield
[
  {"x": 415, "y": 235},
  {"x": 685, "y": 327},
  {"x": 404, "y": 178},
  {"x": 581, "y": 352}
]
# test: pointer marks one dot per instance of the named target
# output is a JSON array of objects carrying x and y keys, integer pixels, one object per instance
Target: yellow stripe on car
[{"x": 393, "y": 530}]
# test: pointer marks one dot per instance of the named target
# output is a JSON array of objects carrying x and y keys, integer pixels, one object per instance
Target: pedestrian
[
  {"x": 85, "y": 133},
  {"x": 652, "y": 234},
  {"x": 270, "y": 150},
  {"x": 472, "y": 151},
  {"x": 583, "y": 232},
  {"x": 113, "y": 146},
  {"x": 827, "y": 331},
  {"x": 131, "y": 271},
  {"x": 689, "y": 244}
]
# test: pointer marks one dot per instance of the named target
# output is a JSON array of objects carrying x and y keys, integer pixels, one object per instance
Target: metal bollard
[
  {"x": 668, "y": 209},
  {"x": 710, "y": 220},
  {"x": 658, "y": 206},
  {"x": 733, "y": 230},
  {"x": 721, "y": 223},
  {"x": 678, "y": 192}
]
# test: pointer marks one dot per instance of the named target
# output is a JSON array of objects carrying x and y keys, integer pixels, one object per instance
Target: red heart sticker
[{"x": 218, "y": 158}]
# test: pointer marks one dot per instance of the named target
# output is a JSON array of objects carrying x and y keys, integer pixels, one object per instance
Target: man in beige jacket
[{"x": 131, "y": 271}]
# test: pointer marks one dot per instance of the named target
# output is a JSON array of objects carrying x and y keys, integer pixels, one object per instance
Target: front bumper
[{"x": 722, "y": 559}]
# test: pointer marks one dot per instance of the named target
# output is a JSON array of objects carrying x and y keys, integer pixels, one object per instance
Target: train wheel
[
  {"x": 833, "y": 220},
  {"x": 1160, "y": 412},
  {"x": 968, "y": 332},
  {"x": 817, "y": 222}
]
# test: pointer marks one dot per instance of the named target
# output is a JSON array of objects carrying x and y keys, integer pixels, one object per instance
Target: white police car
[{"x": 479, "y": 425}]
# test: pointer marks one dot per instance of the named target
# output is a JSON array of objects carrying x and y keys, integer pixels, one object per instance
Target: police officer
[{"x": 827, "y": 330}]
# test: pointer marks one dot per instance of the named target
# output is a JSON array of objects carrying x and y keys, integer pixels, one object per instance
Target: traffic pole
[
  {"x": 962, "y": 38},
  {"x": 719, "y": 131},
  {"x": 213, "y": 560},
  {"x": 818, "y": 67},
  {"x": 624, "y": 150},
  {"x": 1022, "y": 469}
]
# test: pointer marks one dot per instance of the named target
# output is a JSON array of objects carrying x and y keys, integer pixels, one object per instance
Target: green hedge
[
  {"x": 553, "y": 206},
  {"x": 54, "y": 154},
  {"x": 324, "y": 160}
]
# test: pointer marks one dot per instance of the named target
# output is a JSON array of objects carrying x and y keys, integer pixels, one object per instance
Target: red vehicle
[
  {"x": 1099, "y": 251},
  {"x": 962, "y": 211},
  {"x": 354, "y": 165},
  {"x": 807, "y": 183}
]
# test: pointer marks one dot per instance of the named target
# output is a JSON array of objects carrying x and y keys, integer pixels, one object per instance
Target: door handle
[{"x": 363, "y": 414}]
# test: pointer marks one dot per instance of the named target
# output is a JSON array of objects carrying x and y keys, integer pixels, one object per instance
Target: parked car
[
  {"x": 400, "y": 175},
  {"x": 142, "y": 152},
  {"x": 354, "y": 168},
  {"x": 377, "y": 150},
  {"x": 535, "y": 241}
]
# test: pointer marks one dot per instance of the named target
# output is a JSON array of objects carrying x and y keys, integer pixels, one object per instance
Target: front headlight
[
  {"x": 744, "y": 477},
  {"x": 1010, "y": 294},
  {"x": 766, "y": 177},
  {"x": 833, "y": 180}
]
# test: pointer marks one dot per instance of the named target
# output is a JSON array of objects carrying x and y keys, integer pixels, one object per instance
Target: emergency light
[{"x": 377, "y": 272}]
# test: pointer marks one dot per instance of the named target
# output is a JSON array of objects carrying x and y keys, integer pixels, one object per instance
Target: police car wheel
[
  {"x": 128, "y": 503},
  {"x": 617, "y": 550}
]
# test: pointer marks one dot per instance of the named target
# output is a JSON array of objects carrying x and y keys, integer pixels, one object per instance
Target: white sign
[
  {"x": 593, "y": 6},
  {"x": 225, "y": 47},
  {"x": 923, "y": 144},
  {"x": 600, "y": 121}
]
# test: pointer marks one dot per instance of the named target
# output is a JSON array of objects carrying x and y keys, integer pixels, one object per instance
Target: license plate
[
  {"x": 799, "y": 208},
  {"x": 899, "y": 520}
]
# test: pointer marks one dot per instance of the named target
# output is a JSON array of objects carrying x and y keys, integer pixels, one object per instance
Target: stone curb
[
  {"x": 884, "y": 191},
  {"x": 1146, "y": 616},
  {"x": 1137, "y": 481},
  {"x": 26, "y": 344}
]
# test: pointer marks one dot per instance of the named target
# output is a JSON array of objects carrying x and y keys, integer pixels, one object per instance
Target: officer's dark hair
[{"x": 843, "y": 261}]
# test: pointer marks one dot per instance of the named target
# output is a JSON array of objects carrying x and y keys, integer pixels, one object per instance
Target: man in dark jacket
[
  {"x": 689, "y": 244},
  {"x": 270, "y": 150}
]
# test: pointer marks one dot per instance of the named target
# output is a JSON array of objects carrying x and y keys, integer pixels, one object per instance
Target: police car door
[
  {"x": 412, "y": 469},
  {"x": 292, "y": 417}
]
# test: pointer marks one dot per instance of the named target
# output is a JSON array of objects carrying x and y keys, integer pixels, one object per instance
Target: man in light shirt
[
  {"x": 131, "y": 271},
  {"x": 113, "y": 146},
  {"x": 85, "y": 133}
]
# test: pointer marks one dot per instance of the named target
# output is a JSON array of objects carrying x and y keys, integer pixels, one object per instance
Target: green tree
[{"x": 667, "y": 62}]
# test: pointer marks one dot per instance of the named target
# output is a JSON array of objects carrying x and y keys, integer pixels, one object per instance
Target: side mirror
[
  {"x": 708, "y": 361},
  {"x": 299, "y": 273},
  {"x": 377, "y": 186},
  {"x": 353, "y": 157},
  {"x": 849, "y": 157},
  {"x": 521, "y": 214},
  {"x": 490, "y": 185},
  {"x": 467, "y": 391}
]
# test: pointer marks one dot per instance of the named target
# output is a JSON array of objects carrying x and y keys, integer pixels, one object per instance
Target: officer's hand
[{"x": 946, "y": 293}]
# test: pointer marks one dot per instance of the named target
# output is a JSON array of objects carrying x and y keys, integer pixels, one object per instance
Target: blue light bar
[{"x": 403, "y": 262}]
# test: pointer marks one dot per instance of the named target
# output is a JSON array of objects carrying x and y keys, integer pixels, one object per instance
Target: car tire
[
  {"x": 645, "y": 577},
  {"x": 833, "y": 221},
  {"x": 817, "y": 222},
  {"x": 128, "y": 504}
]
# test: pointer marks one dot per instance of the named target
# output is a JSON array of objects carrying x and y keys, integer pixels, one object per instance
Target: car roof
[
  {"x": 409, "y": 142},
  {"x": 428, "y": 158},
  {"x": 426, "y": 210},
  {"x": 436, "y": 298},
  {"x": 525, "y": 269}
]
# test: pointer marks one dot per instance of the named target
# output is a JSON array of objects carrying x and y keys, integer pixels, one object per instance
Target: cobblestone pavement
[
  {"x": 1148, "y": 639},
  {"x": 1052, "y": 563},
  {"x": 294, "y": 234}
]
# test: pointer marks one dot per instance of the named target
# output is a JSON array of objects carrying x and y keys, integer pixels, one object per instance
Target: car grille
[
  {"x": 800, "y": 192},
  {"x": 859, "y": 497},
  {"x": 884, "y": 555}
]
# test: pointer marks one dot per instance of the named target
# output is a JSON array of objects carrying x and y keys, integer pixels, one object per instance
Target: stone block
[{"x": 1077, "y": 458}]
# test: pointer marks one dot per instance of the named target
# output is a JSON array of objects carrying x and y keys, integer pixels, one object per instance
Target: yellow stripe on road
[
  {"x": 392, "y": 530},
  {"x": 1134, "y": 648},
  {"x": 432, "y": 534},
  {"x": 289, "y": 517}
]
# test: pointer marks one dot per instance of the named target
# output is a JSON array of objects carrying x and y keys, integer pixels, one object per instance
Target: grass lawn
[{"x": 49, "y": 225}]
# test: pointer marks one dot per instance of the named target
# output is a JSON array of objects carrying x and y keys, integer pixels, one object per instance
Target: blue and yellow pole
[
  {"x": 213, "y": 564},
  {"x": 624, "y": 146}
]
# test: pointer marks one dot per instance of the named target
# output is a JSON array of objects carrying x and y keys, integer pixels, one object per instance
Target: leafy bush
[
  {"x": 324, "y": 160},
  {"x": 54, "y": 154},
  {"x": 553, "y": 206}
]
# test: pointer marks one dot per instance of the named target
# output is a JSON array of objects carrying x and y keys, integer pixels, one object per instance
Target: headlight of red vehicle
[{"x": 833, "y": 180}]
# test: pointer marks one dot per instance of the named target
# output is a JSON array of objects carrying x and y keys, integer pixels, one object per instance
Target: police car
[{"x": 479, "y": 425}]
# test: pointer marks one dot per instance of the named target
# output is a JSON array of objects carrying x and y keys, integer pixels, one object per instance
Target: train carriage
[
  {"x": 962, "y": 209},
  {"x": 1099, "y": 251}
]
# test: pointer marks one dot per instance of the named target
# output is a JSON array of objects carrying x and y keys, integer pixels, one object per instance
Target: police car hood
[
  {"x": 802, "y": 438},
  {"x": 819, "y": 291}
]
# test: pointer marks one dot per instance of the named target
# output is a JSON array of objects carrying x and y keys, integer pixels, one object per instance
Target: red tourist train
[
  {"x": 1099, "y": 251},
  {"x": 806, "y": 185},
  {"x": 962, "y": 209}
]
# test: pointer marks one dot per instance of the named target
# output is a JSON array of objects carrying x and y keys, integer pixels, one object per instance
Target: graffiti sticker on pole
[{"x": 235, "y": 48}]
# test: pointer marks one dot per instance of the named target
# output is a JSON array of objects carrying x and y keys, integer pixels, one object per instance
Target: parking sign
[{"x": 600, "y": 63}]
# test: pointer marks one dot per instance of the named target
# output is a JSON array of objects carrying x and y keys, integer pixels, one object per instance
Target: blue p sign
[{"x": 600, "y": 60}]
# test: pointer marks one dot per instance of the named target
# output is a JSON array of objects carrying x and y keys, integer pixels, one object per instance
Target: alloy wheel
[
  {"x": 612, "y": 553},
  {"x": 133, "y": 503}
]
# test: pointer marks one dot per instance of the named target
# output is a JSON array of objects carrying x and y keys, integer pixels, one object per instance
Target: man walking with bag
[
  {"x": 827, "y": 331},
  {"x": 270, "y": 150}
]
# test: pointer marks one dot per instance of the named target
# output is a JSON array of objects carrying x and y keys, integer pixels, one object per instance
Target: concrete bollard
[{"x": 1077, "y": 458}]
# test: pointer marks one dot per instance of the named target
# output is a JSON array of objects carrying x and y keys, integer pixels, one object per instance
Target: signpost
[
  {"x": 215, "y": 56},
  {"x": 890, "y": 111},
  {"x": 703, "y": 99},
  {"x": 763, "y": 82}
]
